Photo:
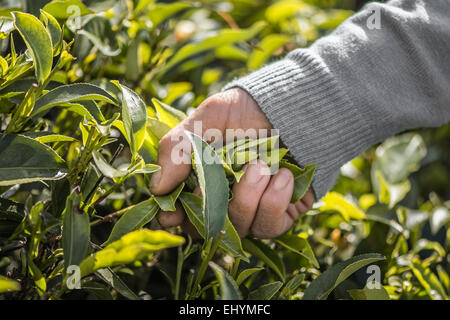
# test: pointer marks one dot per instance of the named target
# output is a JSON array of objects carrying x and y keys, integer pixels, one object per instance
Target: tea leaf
[
  {"x": 38, "y": 42},
  {"x": 168, "y": 115},
  {"x": 263, "y": 252},
  {"x": 228, "y": 288},
  {"x": 266, "y": 291},
  {"x": 245, "y": 274},
  {"x": 298, "y": 245},
  {"x": 167, "y": 203},
  {"x": 7, "y": 285},
  {"x": 24, "y": 160},
  {"x": 369, "y": 293},
  {"x": 321, "y": 287},
  {"x": 213, "y": 184},
  {"x": 76, "y": 232},
  {"x": 134, "y": 218}
]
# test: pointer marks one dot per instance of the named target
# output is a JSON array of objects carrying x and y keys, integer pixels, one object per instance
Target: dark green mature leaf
[
  {"x": 167, "y": 203},
  {"x": 231, "y": 242},
  {"x": 71, "y": 93},
  {"x": 321, "y": 287},
  {"x": 11, "y": 210},
  {"x": 24, "y": 160},
  {"x": 228, "y": 288},
  {"x": 134, "y": 116},
  {"x": 263, "y": 252},
  {"x": 38, "y": 42},
  {"x": 134, "y": 218},
  {"x": 266, "y": 291},
  {"x": 76, "y": 232},
  {"x": 298, "y": 245},
  {"x": 111, "y": 278},
  {"x": 213, "y": 184},
  {"x": 245, "y": 274}
]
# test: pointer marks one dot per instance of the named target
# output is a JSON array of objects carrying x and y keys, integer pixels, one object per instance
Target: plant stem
[
  {"x": 180, "y": 260},
  {"x": 110, "y": 216},
  {"x": 204, "y": 264},
  {"x": 235, "y": 268}
]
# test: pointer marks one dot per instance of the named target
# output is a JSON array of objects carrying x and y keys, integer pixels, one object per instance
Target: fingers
[
  {"x": 272, "y": 218},
  {"x": 171, "y": 218},
  {"x": 247, "y": 193},
  {"x": 174, "y": 149}
]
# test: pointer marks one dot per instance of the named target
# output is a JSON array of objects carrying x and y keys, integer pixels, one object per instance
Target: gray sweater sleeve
[{"x": 359, "y": 85}]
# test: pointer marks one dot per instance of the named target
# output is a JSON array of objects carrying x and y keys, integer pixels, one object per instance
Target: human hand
[{"x": 261, "y": 203}]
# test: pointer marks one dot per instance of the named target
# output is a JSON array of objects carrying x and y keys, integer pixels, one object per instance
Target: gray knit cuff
[{"x": 315, "y": 118}]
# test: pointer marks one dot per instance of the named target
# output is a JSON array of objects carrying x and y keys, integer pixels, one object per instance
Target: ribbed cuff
[{"x": 315, "y": 118}]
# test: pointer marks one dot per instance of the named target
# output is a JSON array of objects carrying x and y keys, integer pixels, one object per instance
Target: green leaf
[
  {"x": 265, "y": 49},
  {"x": 157, "y": 128},
  {"x": 299, "y": 246},
  {"x": 263, "y": 252},
  {"x": 105, "y": 168},
  {"x": 24, "y": 160},
  {"x": 7, "y": 285},
  {"x": 334, "y": 201},
  {"x": 71, "y": 93},
  {"x": 428, "y": 280},
  {"x": 134, "y": 246},
  {"x": 213, "y": 184},
  {"x": 167, "y": 114},
  {"x": 134, "y": 116},
  {"x": 63, "y": 9},
  {"x": 228, "y": 288},
  {"x": 167, "y": 203},
  {"x": 38, "y": 42},
  {"x": 53, "y": 29},
  {"x": 76, "y": 232},
  {"x": 245, "y": 274},
  {"x": 369, "y": 294},
  {"x": 266, "y": 291},
  {"x": 302, "y": 179},
  {"x": 321, "y": 287},
  {"x": 161, "y": 11},
  {"x": 224, "y": 37},
  {"x": 38, "y": 278},
  {"x": 134, "y": 218},
  {"x": 231, "y": 242},
  {"x": 111, "y": 278}
]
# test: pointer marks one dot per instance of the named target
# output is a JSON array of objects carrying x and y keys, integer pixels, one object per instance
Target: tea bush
[{"x": 88, "y": 88}]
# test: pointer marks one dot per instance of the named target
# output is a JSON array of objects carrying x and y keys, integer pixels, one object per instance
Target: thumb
[{"x": 175, "y": 149}]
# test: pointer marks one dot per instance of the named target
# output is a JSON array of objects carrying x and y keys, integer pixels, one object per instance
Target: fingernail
[
  {"x": 253, "y": 173},
  {"x": 154, "y": 181},
  {"x": 281, "y": 180}
]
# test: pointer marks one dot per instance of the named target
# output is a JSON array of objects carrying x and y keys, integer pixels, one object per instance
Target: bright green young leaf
[
  {"x": 105, "y": 168},
  {"x": 161, "y": 11},
  {"x": 76, "y": 232},
  {"x": 266, "y": 291},
  {"x": 334, "y": 201},
  {"x": 263, "y": 252},
  {"x": 167, "y": 114},
  {"x": 302, "y": 178},
  {"x": 231, "y": 242},
  {"x": 224, "y": 37},
  {"x": 323, "y": 285},
  {"x": 228, "y": 288},
  {"x": 38, "y": 42},
  {"x": 7, "y": 285},
  {"x": 134, "y": 218},
  {"x": 213, "y": 184},
  {"x": 370, "y": 293},
  {"x": 265, "y": 49},
  {"x": 63, "y": 9},
  {"x": 71, "y": 93},
  {"x": 428, "y": 280},
  {"x": 167, "y": 203},
  {"x": 157, "y": 128},
  {"x": 53, "y": 29},
  {"x": 24, "y": 160},
  {"x": 134, "y": 246},
  {"x": 38, "y": 278},
  {"x": 134, "y": 116}
]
